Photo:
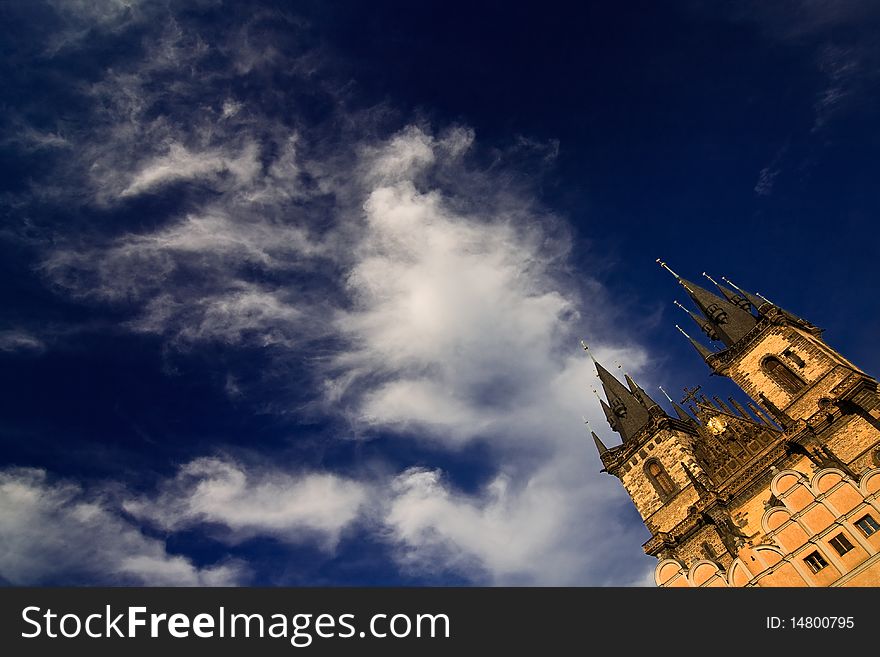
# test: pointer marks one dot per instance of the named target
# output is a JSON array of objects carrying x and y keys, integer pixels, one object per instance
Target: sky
[{"x": 292, "y": 293}]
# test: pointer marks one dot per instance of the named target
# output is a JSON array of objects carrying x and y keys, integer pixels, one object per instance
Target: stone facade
[{"x": 733, "y": 499}]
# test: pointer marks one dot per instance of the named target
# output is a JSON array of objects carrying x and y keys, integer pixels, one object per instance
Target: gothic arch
[
  {"x": 660, "y": 479},
  {"x": 782, "y": 375}
]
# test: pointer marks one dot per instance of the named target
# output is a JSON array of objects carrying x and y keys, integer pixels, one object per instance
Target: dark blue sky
[{"x": 268, "y": 265}]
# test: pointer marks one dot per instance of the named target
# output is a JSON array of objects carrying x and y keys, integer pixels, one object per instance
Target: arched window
[
  {"x": 782, "y": 375},
  {"x": 660, "y": 479}
]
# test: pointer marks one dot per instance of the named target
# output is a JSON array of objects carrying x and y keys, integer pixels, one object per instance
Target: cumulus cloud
[
  {"x": 243, "y": 503},
  {"x": 463, "y": 327},
  {"x": 55, "y": 532}
]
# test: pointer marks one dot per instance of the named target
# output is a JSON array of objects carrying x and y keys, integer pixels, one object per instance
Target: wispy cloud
[
  {"x": 842, "y": 69},
  {"x": 20, "y": 341},
  {"x": 246, "y": 502},
  {"x": 54, "y": 531},
  {"x": 445, "y": 291}
]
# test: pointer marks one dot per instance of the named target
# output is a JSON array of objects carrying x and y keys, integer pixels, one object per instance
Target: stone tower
[{"x": 786, "y": 495}]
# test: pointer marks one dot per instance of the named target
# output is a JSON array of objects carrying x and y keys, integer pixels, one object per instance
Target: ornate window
[
  {"x": 782, "y": 375},
  {"x": 660, "y": 479}
]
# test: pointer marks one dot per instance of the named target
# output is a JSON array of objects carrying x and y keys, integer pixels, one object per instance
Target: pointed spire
[
  {"x": 682, "y": 414},
  {"x": 732, "y": 322},
  {"x": 625, "y": 412},
  {"x": 703, "y": 351},
  {"x": 708, "y": 327},
  {"x": 739, "y": 408},
  {"x": 781, "y": 417},
  {"x": 791, "y": 315},
  {"x": 600, "y": 446},
  {"x": 751, "y": 298},
  {"x": 724, "y": 407},
  {"x": 609, "y": 415},
  {"x": 698, "y": 485},
  {"x": 730, "y": 295},
  {"x": 640, "y": 394},
  {"x": 760, "y": 415}
]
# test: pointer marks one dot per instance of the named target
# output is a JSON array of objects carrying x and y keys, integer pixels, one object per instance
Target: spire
[
  {"x": 731, "y": 296},
  {"x": 709, "y": 328},
  {"x": 739, "y": 408},
  {"x": 724, "y": 407},
  {"x": 783, "y": 310},
  {"x": 698, "y": 485},
  {"x": 703, "y": 351},
  {"x": 639, "y": 394},
  {"x": 626, "y": 409},
  {"x": 732, "y": 322},
  {"x": 600, "y": 446},
  {"x": 609, "y": 415},
  {"x": 778, "y": 414},
  {"x": 763, "y": 418},
  {"x": 682, "y": 414},
  {"x": 751, "y": 298}
]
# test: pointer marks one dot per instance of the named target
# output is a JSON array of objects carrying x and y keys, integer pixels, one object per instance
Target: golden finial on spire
[
  {"x": 683, "y": 332},
  {"x": 587, "y": 349},
  {"x": 665, "y": 394},
  {"x": 676, "y": 303},
  {"x": 710, "y": 278},
  {"x": 667, "y": 268},
  {"x": 732, "y": 284}
]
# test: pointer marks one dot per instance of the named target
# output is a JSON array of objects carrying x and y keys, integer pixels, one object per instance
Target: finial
[
  {"x": 710, "y": 278},
  {"x": 665, "y": 394},
  {"x": 587, "y": 349},
  {"x": 764, "y": 298},
  {"x": 676, "y": 303},
  {"x": 683, "y": 332},
  {"x": 667, "y": 268},
  {"x": 731, "y": 283}
]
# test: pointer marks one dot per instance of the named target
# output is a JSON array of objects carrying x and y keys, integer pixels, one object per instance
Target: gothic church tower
[{"x": 786, "y": 495}]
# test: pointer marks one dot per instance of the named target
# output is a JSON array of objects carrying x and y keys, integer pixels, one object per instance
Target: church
[{"x": 782, "y": 494}]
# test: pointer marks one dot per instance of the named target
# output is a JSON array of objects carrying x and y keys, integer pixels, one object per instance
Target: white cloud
[
  {"x": 764, "y": 186},
  {"x": 55, "y": 532},
  {"x": 464, "y": 327},
  {"x": 446, "y": 290},
  {"x": 247, "y": 502},
  {"x": 180, "y": 163},
  {"x": 18, "y": 340},
  {"x": 188, "y": 277},
  {"x": 460, "y": 324}
]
